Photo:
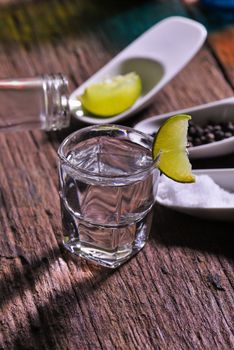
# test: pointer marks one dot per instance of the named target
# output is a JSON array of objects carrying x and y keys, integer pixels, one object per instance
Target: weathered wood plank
[
  {"x": 219, "y": 22},
  {"x": 165, "y": 297},
  {"x": 223, "y": 45}
]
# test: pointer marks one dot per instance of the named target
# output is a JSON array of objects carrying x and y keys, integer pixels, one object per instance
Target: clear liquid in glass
[{"x": 106, "y": 199}]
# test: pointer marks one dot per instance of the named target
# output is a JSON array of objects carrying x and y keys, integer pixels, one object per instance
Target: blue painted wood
[{"x": 127, "y": 25}]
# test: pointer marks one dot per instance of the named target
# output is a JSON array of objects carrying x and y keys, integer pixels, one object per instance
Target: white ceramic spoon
[
  {"x": 157, "y": 56},
  {"x": 225, "y": 179},
  {"x": 218, "y": 111}
]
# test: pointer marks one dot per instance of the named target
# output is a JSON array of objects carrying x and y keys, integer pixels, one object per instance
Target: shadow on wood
[
  {"x": 58, "y": 302},
  {"x": 201, "y": 235}
]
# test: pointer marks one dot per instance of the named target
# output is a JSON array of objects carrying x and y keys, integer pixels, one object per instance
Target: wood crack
[
  {"x": 230, "y": 327},
  {"x": 231, "y": 282}
]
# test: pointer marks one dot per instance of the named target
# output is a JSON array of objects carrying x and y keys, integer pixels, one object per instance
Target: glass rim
[{"x": 64, "y": 159}]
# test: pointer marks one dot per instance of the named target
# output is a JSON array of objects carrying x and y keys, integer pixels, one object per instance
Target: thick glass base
[{"x": 108, "y": 246}]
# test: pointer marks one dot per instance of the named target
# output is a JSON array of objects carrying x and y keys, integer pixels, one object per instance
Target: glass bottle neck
[
  {"x": 39, "y": 102},
  {"x": 57, "y": 111}
]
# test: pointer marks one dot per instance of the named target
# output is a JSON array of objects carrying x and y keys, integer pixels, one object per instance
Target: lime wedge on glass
[
  {"x": 112, "y": 96},
  {"x": 169, "y": 149}
]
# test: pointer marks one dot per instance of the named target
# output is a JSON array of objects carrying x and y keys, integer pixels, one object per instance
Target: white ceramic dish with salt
[{"x": 211, "y": 197}]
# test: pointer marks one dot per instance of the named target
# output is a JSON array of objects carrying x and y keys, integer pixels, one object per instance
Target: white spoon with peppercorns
[{"x": 211, "y": 131}]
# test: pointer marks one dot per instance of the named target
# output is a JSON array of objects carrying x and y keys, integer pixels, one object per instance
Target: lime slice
[
  {"x": 112, "y": 96},
  {"x": 169, "y": 149}
]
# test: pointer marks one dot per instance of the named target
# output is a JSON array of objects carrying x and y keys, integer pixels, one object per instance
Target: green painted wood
[{"x": 49, "y": 20}]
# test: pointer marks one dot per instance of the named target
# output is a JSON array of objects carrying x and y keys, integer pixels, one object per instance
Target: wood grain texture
[{"x": 177, "y": 293}]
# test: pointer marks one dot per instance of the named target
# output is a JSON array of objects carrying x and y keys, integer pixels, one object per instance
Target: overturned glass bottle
[{"x": 34, "y": 103}]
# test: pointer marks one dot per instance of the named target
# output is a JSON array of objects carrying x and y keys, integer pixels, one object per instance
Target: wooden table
[{"x": 177, "y": 293}]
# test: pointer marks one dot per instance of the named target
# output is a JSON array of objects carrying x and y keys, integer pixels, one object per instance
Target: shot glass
[{"x": 108, "y": 184}]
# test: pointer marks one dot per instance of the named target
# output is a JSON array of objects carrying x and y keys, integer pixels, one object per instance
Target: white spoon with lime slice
[{"x": 156, "y": 56}]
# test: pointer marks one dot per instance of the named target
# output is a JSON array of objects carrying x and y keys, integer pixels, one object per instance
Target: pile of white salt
[{"x": 204, "y": 193}]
